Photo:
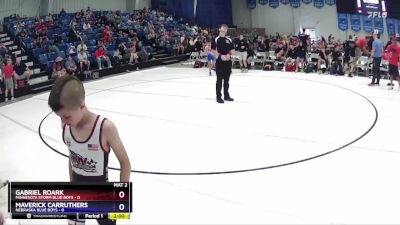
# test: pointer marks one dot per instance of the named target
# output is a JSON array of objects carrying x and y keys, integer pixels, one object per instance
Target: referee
[{"x": 223, "y": 49}]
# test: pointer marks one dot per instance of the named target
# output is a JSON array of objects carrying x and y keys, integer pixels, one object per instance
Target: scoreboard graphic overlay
[{"x": 59, "y": 200}]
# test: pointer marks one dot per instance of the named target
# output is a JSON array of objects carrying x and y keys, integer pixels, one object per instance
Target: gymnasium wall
[
  {"x": 43, "y": 7},
  {"x": 21, "y": 7},
  {"x": 55, "y": 6},
  {"x": 286, "y": 19},
  {"x": 241, "y": 15},
  {"x": 140, "y": 4}
]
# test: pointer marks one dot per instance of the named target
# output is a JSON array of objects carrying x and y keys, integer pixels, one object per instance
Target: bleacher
[{"x": 41, "y": 63}]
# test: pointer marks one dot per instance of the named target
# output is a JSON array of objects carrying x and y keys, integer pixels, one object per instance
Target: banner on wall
[
  {"x": 367, "y": 22},
  {"x": 295, "y": 3},
  {"x": 378, "y": 24},
  {"x": 390, "y": 26},
  {"x": 343, "y": 23},
  {"x": 318, "y": 4},
  {"x": 263, "y": 2},
  {"x": 355, "y": 23},
  {"x": 251, "y": 4},
  {"x": 330, "y": 2},
  {"x": 307, "y": 1},
  {"x": 274, "y": 3},
  {"x": 285, "y": 2},
  {"x": 398, "y": 25}
]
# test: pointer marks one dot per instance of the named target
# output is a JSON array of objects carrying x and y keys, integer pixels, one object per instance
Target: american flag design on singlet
[{"x": 88, "y": 158}]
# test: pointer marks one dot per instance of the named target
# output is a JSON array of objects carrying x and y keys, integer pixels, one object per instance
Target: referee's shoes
[{"x": 229, "y": 99}]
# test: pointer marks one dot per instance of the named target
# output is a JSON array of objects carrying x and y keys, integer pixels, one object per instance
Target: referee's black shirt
[{"x": 223, "y": 45}]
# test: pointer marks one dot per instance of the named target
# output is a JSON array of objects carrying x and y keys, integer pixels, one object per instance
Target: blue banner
[
  {"x": 378, "y": 24},
  {"x": 390, "y": 26},
  {"x": 343, "y": 23},
  {"x": 398, "y": 25},
  {"x": 251, "y": 4},
  {"x": 330, "y": 2},
  {"x": 285, "y": 2},
  {"x": 295, "y": 3},
  {"x": 263, "y": 2},
  {"x": 355, "y": 23},
  {"x": 307, "y": 1},
  {"x": 318, "y": 4},
  {"x": 274, "y": 3},
  {"x": 367, "y": 22}
]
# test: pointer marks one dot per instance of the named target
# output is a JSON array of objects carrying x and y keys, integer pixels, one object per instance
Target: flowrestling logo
[{"x": 377, "y": 14}]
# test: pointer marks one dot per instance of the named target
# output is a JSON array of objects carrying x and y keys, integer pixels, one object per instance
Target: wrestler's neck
[{"x": 88, "y": 119}]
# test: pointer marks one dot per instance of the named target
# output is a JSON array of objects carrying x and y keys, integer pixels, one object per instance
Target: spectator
[
  {"x": 41, "y": 25},
  {"x": 21, "y": 37},
  {"x": 143, "y": 55},
  {"x": 54, "y": 48},
  {"x": 301, "y": 52},
  {"x": 70, "y": 66},
  {"x": 3, "y": 50},
  {"x": 83, "y": 61},
  {"x": 337, "y": 61},
  {"x": 261, "y": 46},
  {"x": 8, "y": 79},
  {"x": 349, "y": 55},
  {"x": 73, "y": 23},
  {"x": 86, "y": 26},
  {"x": 131, "y": 34},
  {"x": 198, "y": 45},
  {"x": 21, "y": 71},
  {"x": 50, "y": 24},
  {"x": 107, "y": 35},
  {"x": 133, "y": 56},
  {"x": 122, "y": 49},
  {"x": 280, "y": 51},
  {"x": 83, "y": 46},
  {"x": 58, "y": 40},
  {"x": 241, "y": 48},
  {"x": 290, "y": 59},
  {"x": 101, "y": 56},
  {"x": 181, "y": 45},
  {"x": 49, "y": 17},
  {"x": 322, "y": 58},
  {"x": 63, "y": 13},
  {"x": 71, "y": 50},
  {"x": 73, "y": 35},
  {"x": 58, "y": 68}
]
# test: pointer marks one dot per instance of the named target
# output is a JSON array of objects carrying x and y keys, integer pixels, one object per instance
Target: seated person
[
  {"x": 251, "y": 55},
  {"x": 58, "y": 68},
  {"x": 70, "y": 66},
  {"x": 301, "y": 52},
  {"x": 280, "y": 51},
  {"x": 82, "y": 45},
  {"x": 322, "y": 59},
  {"x": 21, "y": 71},
  {"x": 133, "y": 56},
  {"x": 101, "y": 56},
  {"x": 291, "y": 58},
  {"x": 83, "y": 60},
  {"x": 337, "y": 60}
]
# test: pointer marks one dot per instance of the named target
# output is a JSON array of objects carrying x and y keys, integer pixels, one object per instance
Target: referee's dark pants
[
  {"x": 376, "y": 70},
  {"x": 223, "y": 70}
]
